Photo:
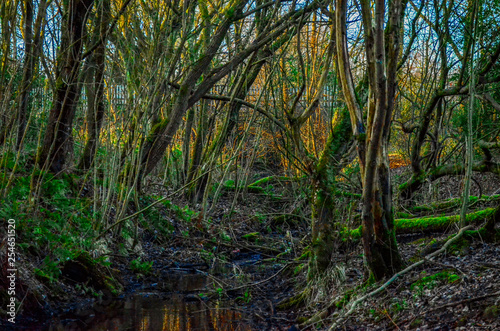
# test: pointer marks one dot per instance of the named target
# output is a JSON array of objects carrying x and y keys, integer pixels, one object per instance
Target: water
[
  {"x": 179, "y": 309},
  {"x": 143, "y": 312}
]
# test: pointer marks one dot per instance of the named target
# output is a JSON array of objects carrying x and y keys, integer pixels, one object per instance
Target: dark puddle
[
  {"x": 172, "y": 304},
  {"x": 147, "y": 312}
]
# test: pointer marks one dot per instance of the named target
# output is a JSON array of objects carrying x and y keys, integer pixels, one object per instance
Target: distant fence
[{"x": 117, "y": 97}]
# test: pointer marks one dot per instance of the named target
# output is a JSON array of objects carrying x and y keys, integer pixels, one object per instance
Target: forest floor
[{"x": 251, "y": 261}]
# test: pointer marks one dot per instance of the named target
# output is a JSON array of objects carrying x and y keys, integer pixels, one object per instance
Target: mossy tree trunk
[
  {"x": 95, "y": 88},
  {"x": 57, "y": 140},
  {"x": 323, "y": 197}
]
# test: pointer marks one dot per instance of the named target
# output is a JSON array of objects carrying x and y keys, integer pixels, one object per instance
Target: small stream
[{"x": 170, "y": 305}]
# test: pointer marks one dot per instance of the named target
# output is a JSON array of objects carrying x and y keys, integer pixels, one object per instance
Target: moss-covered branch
[
  {"x": 268, "y": 179},
  {"x": 431, "y": 224}
]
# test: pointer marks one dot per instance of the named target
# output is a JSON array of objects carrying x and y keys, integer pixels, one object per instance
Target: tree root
[{"x": 295, "y": 301}]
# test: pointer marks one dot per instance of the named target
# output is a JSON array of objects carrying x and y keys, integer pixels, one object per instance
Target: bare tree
[
  {"x": 57, "y": 139},
  {"x": 95, "y": 86},
  {"x": 33, "y": 46},
  {"x": 382, "y": 48}
]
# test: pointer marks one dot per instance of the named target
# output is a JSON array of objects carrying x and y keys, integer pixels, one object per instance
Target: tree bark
[
  {"x": 323, "y": 204},
  {"x": 379, "y": 242},
  {"x": 57, "y": 139},
  {"x": 33, "y": 46},
  {"x": 95, "y": 91}
]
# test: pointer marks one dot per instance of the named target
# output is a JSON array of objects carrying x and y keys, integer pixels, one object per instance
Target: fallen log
[{"x": 429, "y": 224}]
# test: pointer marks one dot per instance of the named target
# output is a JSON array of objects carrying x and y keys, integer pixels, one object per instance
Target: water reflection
[
  {"x": 155, "y": 310},
  {"x": 170, "y": 314}
]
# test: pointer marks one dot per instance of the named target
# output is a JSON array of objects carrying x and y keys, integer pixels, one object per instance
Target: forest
[{"x": 250, "y": 165}]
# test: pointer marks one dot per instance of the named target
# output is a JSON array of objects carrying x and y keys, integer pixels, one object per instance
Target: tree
[
  {"x": 382, "y": 53},
  {"x": 189, "y": 92},
  {"x": 433, "y": 121},
  {"x": 57, "y": 139},
  {"x": 95, "y": 85},
  {"x": 33, "y": 47}
]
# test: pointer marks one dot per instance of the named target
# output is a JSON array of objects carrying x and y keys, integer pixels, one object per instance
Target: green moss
[
  {"x": 356, "y": 233},
  {"x": 305, "y": 255},
  {"x": 459, "y": 247},
  {"x": 268, "y": 179},
  {"x": 430, "y": 224},
  {"x": 229, "y": 185},
  {"x": 254, "y": 236},
  {"x": 491, "y": 312},
  {"x": 157, "y": 129},
  {"x": 423, "y": 224},
  {"x": 141, "y": 267},
  {"x": 370, "y": 281},
  {"x": 298, "y": 269},
  {"x": 339, "y": 193},
  {"x": 345, "y": 299},
  {"x": 404, "y": 215},
  {"x": 414, "y": 179},
  {"x": 432, "y": 281},
  {"x": 451, "y": 203},
  {"x": 113, "y": 285},
  {"x": 294, "y": 302}
]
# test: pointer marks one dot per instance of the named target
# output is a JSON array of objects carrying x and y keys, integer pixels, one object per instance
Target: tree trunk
[
  {"x": 379, "y": 242},
  {"x": 323, "y": 204},
  {"x": 186, "y": 150},
  {"x": 95, "y": 91},
  {"x": 57, "y": 139},
  {"x": 27, "y": 72},
  {"x": 197, "y": 188}
]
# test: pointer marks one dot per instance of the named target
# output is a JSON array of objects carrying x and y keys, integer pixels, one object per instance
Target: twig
[
  {"x": 260, "y": 282},
  {"x": 452, "y": 304},
  {"x": 488, "y": 265},
  {"x": 445, "y": 266},
  {"x": 390, "y": 319},
  {"x": 157, "y": 201},
  {"x": 404, "y": 271}
]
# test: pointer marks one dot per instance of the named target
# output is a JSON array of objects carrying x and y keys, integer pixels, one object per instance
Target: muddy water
[{"x": 169, "y": 305}]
